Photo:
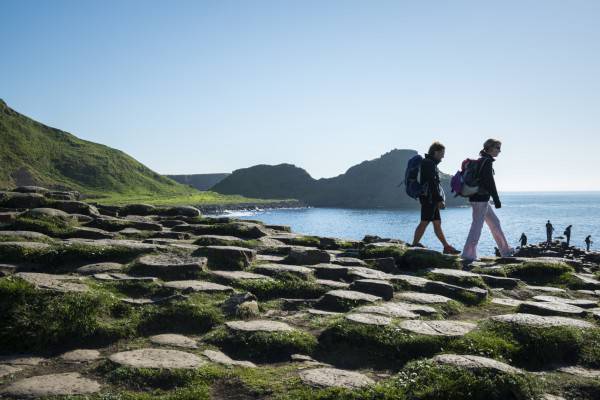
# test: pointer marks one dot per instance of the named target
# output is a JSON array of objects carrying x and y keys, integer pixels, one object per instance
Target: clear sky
[{"x": 212, "y": 86}]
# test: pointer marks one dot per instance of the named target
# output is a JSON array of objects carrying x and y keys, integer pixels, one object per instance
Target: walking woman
[{"x": 482, "y": 210}]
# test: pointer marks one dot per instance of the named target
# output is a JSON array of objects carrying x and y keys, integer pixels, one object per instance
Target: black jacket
[
  {"x": 430, "y": 178},
  {"x": 487, "y": 184}
]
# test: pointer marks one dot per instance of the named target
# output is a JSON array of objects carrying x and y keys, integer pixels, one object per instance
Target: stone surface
[
  {"x": 583, "y": 303},
  {"x": 99, "y": 268},
  {"x": 422, "y": 298},
  {"x": 59, "y": 283},
  {"x": 198, "y": 286},
  {"x": 230, "y": 257},
  {"x": 71, "y": 383},
  {"x": 117, "y": 276},
  {"x": 369, "y": 319},
  {"x": 221, "y": 358},
  {"x": 175, "y": 340},
  {"x": 506, "y": 302},
  {"x": 331, "y": 271},
  {"x": 259, "y": 325},
  {"x": 409, "y": 282},
  {"x": 375, "y": 287},
  {"x": 169, "y": 266},
  {"x": 307, "y": 256},
  {"x": 238, "y": 275},
  {"x": 157, "y": 358},
  {"x": 544, "y": 289},
  {"x": 473, "y": 294},
  {"x": 25, "y": 235},
  {"x": 333, "y": 284},
  {"x": 581, "y": 371},
  {"x": 474, "y": 362},
  {"x": 551, "y": 308},
  {"x": 80, "y": 356},
  {"x": 437, "y": 328},
  {"x": 349, "y": 262},
  {"x": 540, "y": 321},
  {"x": 345, "y": 300},
  {"x": 279, "y": 269},
  {"x": 394, "y": 310},
  {"x": 331, "y": 377}
]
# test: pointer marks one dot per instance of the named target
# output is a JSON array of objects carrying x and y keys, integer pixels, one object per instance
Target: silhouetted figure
[
  {"x": 588, "y": 242},
  {"x": 567, "y": 233},
  {"x": 523, "y": 240},
  {"x": 549, "y": 230}
]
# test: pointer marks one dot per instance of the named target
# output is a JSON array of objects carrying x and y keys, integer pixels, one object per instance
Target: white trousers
[{"x": 483, "y": 211}]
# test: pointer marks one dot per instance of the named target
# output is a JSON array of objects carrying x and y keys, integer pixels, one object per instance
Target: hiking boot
[
  {"x": 450, "y": 250},
  {"x": 417, "y": 245}
]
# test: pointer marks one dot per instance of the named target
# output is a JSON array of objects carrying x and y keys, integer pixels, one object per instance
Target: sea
[{"x": 521, "y": 212}]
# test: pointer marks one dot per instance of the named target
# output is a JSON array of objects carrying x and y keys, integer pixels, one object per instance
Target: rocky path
[{"x": 140, "y": 302}]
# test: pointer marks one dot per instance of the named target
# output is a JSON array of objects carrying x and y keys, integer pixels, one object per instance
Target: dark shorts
[{"x": 430, "y": 212}]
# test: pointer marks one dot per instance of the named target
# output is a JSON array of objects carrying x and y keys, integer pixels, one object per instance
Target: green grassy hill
[{"x": 32, "y": 153}]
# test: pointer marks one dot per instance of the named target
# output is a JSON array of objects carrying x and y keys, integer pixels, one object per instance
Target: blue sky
[{"x": 212, "y": 86}]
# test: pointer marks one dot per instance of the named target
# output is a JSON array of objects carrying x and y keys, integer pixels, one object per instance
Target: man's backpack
[
  {"x": 466, "y": 181},
  {"x": 411, "y": 177}
]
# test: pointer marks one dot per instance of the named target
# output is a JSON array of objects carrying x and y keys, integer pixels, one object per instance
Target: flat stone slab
[
  {"x": 549, "y": 308},
  {"x": 369, "y": 319},
  {"x": 375, "y": 287},
  {"x": 501, "y": 301},
  {"x": 80, "y": 356},
  {"x": 99, "y": 268},
  {"x": 169, "y": 266},
  {"x": 330, "y": 271},
  {"x": 23, "y": 360},
  {"x": 332, "y": 377},
  {"x": 222, "y": 358},
  {"x": 199, "y": 286},
  {"x": 315, "y": 311},
  {"x": 6, "y": 370},
  {"x": 344, "y": 300},
  {"x": 475, "y": 363},
  {"x": 259, "y": 325},
  {"x": 409, "y": 281},
  {"x": 28, "y": 235},
  {"x": 349, "y": 262},
  {"x": 544, "y": 289},
  {"x": 59, "y": 283},
  {"x": 393, "y": 310},
  {"x": 278, "y": 269},
  {"x": 173, "y": 339},
  {"x": 71, "y": 383},
  {"x": 540, "y": 321},
  {"x": 367, "y": 273},
  {"x": 227, "y": 256},
  {"x": 118, "y": 276},
  {"x": 581, "y": 371},
  {"x": 455, "y": 273},
  {"x": 308, "y": 256},
  {"x": 437, "y": 328},
  {"x": 157, "y": 358},
  {"x": 333, "y": 284},
  {"x": 238, "y": 275},
  {"x": 422, "y": 298},
  {"x": 583, "y": 303}
]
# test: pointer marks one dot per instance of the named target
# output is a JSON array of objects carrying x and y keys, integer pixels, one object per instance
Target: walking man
[
  {"x": 588, "y": 242},
  {"x": 549, "y": 230},
  {"x": 568, "y": 234},
  {"x": 523, "y": 240}
]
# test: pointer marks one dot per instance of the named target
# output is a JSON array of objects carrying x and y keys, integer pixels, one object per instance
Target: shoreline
[{"x": 212, "y": 209}]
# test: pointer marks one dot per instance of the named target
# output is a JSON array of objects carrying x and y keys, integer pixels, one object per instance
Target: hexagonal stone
[
  {"x": 80, "y": 356},
  {"x": 25, "y": 235},
  {"x": 117, "y": 276},
  {"x": 199, "y": 286},
  {"x": 221, "y": 358},
  {"x": 315, "y": 311},
  {"x": 375, "y": 287},
  {"x": 345, "y": 300},
  {"x": 59, "y": 283},
  {"x": 438, "y": 328},
  {"x": 99, "y": 268},
  {"x": 71, "y": 383},
  {"x": 581, "y": 371},
  {"x": 472, "y": 295},
  {"x": 586, "y": 281},
  {"x": 22, "y": 359},
  {"x": 501, "y": 301},
  {"x": 548, "y": 308},
  {"x": 475, "y": 363},
  {"x": 583, "y": 303},
  {"x": 422, "y": 298},
  {"x": 394, "y": 310},
  {"x": 238, "y": 275},
  {"x": 332, "y": 377},
  {"x": 409, "y": 282},
  {"x": 157, "y": 358},
  {"x": 168, "y": 266},
  {"x": 349, "y": 262},
  {"x": 175, "y": 340},
  {"x": 369, "y": 319},
  {"x": 279, "y": 269},
  {"x": 333, "y": 284},
  {"x": 544, "y": 289},
  {"x": 330, "y": 271},
  {"x": 229, "y": 257},
  {"x": 259, "y": 325},
  {"x": 540, "y": 321},
  {"x": 367, "y": 273},
  {"x": 307, "y": 256},
  {"x": 500, "y": 281}
]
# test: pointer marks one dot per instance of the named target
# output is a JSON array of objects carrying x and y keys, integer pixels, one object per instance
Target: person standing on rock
[
  {"x": 482, "y": 210},
  {"x": 567, "y": 233},
  {"x": 523, "y": 240},
  {"x": 432, "y": 201},
  {"x": 588, "y": 242},
  {"x": 549, "y": 231}
]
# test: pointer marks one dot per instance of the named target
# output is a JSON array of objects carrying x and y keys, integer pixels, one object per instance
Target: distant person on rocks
[
  {"x": 549, "y": 231},
  {"x": 523, "y": 240},
  {"x": 567, "y": 233},
  {"x": 482, "y": 210},
  {"x": 588, "y": 242},
  {"x": 432, "y": 201}
]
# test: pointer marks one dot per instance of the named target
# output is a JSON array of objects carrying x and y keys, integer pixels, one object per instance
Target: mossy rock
[
  {"x": 418, "y": 258},
  {"x": 227, "y": 257},
  {"x": 244, "y": 230},
  {"x": 24, "y": 236},
  {"x": 383, "y": 250},
  {"x": 259, "y": 344},
  {"x": 184, "y": 316},
  {"x": 456, "y": 277},
  {"x": 219, "y": 240},
  {"x": 540, "y": 272},
  {"x": 53, "y": 225},
  {"x": 286, "y": 285}
]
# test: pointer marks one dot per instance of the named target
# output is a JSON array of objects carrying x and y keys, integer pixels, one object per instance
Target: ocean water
[{"x": 520, "y": 212}]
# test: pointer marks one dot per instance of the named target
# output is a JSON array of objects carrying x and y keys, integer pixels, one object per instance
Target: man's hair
[
  {"x": 435, "y": 146},
  {"x": 488, "y": 144}
]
